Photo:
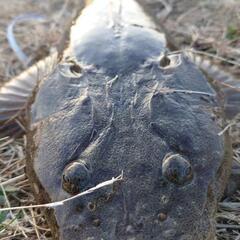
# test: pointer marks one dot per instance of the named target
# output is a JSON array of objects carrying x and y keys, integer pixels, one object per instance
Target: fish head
[{"x": 167, "y": 145}]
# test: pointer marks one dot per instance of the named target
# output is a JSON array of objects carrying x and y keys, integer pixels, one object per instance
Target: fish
[{"x": 118, "y": 101}]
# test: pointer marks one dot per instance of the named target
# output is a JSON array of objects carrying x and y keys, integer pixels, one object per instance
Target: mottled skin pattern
[{"x": 105, "y": 109}]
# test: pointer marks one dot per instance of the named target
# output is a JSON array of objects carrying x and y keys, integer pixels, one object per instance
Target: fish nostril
[
  {"x": 91, "y": 206},
  {"x": 162, "y": 217},
  {"x": 76, "y": 177},
  {"x": 96, "y": 222}
]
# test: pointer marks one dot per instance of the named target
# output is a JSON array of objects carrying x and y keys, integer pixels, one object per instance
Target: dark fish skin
[{"x": 109, "y": 106}]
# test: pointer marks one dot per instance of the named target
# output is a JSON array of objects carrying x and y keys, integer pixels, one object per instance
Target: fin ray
[
  {"x": 15, "y": 94},
  {"x": 228, "y": 84}
]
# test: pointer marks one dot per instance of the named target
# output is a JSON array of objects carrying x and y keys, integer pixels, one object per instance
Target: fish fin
[
  {"x": 15, "y": 95},
  {"x": 223, "y": 81}
]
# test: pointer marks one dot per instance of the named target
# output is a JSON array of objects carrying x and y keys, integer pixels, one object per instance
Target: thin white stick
[
  {"x": 206, "y": 54},
  {"x": 59, "y": 203},
  {"x": 225, "y": 129},
  {"x": 171, "y": 90},
  {"x": 13, "y": 180},
  {"x": 11, "y": 38},
  {"x": 34, "y": 224}
]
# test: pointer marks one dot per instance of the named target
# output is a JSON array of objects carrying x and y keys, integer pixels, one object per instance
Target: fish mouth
[
  {"x": 73, "y": 232},
  {"x": 113, "y": 230},
  {"x": 99, "y": 216}
]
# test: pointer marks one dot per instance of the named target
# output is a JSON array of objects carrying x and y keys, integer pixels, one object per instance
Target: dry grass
[
  {"x": 211, "y": 26},
  {"x": 36, "y": 39},
  {"x": 15, "y": 191}
]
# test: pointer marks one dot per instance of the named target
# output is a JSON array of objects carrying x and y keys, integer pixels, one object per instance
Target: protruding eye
[
  {"x": 169, "y": 61},
  {"x": 164, "y": 61},
  {"x": 70, "y": 69},
  {"x": 177, "y": 169},
  {"x": 75, "y": 177}
]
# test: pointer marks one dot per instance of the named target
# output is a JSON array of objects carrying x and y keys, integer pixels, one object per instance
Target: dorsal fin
[
  {"x": 14, "y": 94},
  {"x": 226, "y": 82}
]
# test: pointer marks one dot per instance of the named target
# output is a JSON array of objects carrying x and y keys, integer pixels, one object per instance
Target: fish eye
[
  {"x": 176, "y": 169},
  {"x": 70, "y": 69},
  {"x": 76, "y": 177},
  {"x": 164, "y": 61},
  {"x": 169, "y": 60},
  {"x": 75, "y": 69}
]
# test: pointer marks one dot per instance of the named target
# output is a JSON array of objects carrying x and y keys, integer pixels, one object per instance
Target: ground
[{"x": 210, "y": 26}]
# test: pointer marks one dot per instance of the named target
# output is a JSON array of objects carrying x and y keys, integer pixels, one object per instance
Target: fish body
[{"x": 117, "y": 102}]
